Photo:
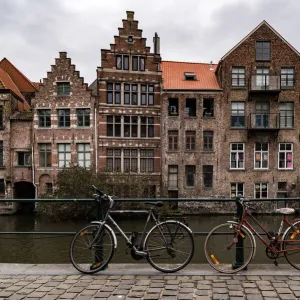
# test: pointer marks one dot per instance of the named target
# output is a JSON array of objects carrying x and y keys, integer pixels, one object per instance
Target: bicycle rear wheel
[
  {"x": 225, "y": 254},
  {"x": 170, "y": 246},
  {"x": 291, "y": 243},
  {"x": 91, "y": 260}
]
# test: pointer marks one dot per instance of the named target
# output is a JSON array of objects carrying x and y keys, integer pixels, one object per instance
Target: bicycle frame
[{"x": 272, "y": 248}]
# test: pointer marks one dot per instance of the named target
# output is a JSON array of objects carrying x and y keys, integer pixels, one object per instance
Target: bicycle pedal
[
  {"x": 275, "y": 263},
  {"x": 95, "y": 266}
]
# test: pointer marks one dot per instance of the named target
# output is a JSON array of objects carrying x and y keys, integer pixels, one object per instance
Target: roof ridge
[{"x": 188, "y": 62}]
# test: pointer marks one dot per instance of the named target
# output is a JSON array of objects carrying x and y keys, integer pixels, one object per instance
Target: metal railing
[{"x": 261, "y": 120}]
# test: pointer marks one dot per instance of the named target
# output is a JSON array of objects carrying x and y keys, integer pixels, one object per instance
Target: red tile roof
[
  {"x": 7, "y": 83},
  {"x": 173, "y": 76}
]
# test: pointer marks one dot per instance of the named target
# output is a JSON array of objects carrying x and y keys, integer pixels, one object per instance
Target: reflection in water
[{"x": 54, "y": 249}]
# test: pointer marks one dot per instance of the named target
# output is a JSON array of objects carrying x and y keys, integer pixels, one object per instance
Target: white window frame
[
  {"x": 85, "y": 152},
  {"x": 261, "y": 153},
  {"x": 65, "y": 152},
  {"x": 237, "y": 160},
  {"x": 236, "y": 189},
  {"x": 285, "y": 159},
  {"x": 260, "y": 189}
]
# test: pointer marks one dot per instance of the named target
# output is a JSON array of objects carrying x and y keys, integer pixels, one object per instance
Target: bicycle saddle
[
  {"x": 285, "y": 211},
  {"x": 156, "y": 203}
]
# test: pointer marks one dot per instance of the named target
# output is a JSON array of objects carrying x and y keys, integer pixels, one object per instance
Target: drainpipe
[
  {"x": 96, "y": 138},
  {"x": 33, "y": 174}
]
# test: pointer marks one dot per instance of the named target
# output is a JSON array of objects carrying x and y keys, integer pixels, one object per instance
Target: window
[
  {"x": 190, "y": 108},
  {"x": 24, "y": 158},
  {"x": 286, "y": 115},
  {"x": 49, "y": 188},
  {"x": 208, "y": 176},
  {"x": 2, "y": 186},
  {"x": 63, "y": 117},
  {"x": 113, "y": 160},
  {"x": 173, "y": 107},
  {"x": 238, "y": 76},
  {"x": 1, "y": 154},
  {"x": 64, "y": 155},
  {"x": 113, "y": 126},
  {"x": 173, "y": 177},
  {"x": 84, "y": 155},
  {"x": 237, "y": 156},
  {"x": 282, "y": 186},
  {"x": 261, "y": 190},
  {"x": 261, "y": 154},
  {"x": 1, "y": 117},
  {"x": 44, "y": 116},
  {"x": 135, "y": 63},
  {"x": 190, "y": 172},
  {"x": 130, "y": 126},
  {"x": 130, "y": 94},
  {"x": 147, "y": 94},
  {"x": 63, "y": 88},
  {"x": 208, "y": 107},
  {"x": 189, "y": 76},
  {"x": 236, "y": 188},
  {"x": 147, "y": 160},
  {"x": 45, "y": 157},
  {"x": 285, "y": 156},
  {"x": 122, "y": 62},
  {"x": 147, "y": 127},
  {"x": 190, "y": 140},
  {"x": 130, "y": 160},
  {"x": 237, "y": 114},
  {"x": 83, "y": 117},
  {"x": 142, "y": 63},
  {"x": 263, "y": 50},
  {"x": 262, "y": 114},
  {"x": 130, "y": 39},
  {"x": 263, "y": 77},
  {"x": 208, "y": 137},
  {"x": 113, "y": 95},
  {"x": 287, "y": 77},
  {"x": 173, "y": 140}
]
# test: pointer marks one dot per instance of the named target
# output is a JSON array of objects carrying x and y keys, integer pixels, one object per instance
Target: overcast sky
[{"x": 32, "y": 32}]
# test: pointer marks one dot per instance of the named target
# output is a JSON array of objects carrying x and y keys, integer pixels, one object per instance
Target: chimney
[
  {"x": 156, "y": 44},
  {"x": 130, "y": 15},
  {"x": 211, "y": 66}
]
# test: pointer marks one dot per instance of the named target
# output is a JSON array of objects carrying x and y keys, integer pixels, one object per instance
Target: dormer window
[
  {"x": 130, "y": 39},
  {"x": 189, "y": 76},
  {"x": 63, "y": 88}
]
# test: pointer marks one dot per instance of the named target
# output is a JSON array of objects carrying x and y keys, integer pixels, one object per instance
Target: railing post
[{"x": 239, "y": 252}]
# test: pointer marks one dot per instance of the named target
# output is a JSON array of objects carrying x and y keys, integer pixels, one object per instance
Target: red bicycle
[{"x": 230, "y": 247}]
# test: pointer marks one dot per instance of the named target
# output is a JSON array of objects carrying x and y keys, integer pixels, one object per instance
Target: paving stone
[
  {"x": 279, "y": 284},
  {"x": 251, "y": 277},
  {"x": 102, "y": 295},
  {"x": 269, "y": 293},
  {"x": 254, "y": 297},
  {"x": 94, "y": 287},
  {"x": 56, "y": 292},
  {"x": 37, "y": 295},
  {"x": 287, "y": 296},
  {"x": 283, "y": 291},
  {"x": 172, "y": 282},
  {"x": 112, "y": 283},
  {"x": 252, "y": 291},
  {"x": 25, "y": 291},
  {"x": 263, "y": 282},
  {"x": 136, "y": 294},
  {"x": 249, "y": 285},
  {"x": 154, "y": 290},
  {"x": 151, "y": 296},
  {"x": 234, "y": 287},
  {"x": 169, "y": 293},
  {"x": 77, "y": 289},
  {"x": 108, "y": 288},
  {"x": 266, "y": 288},
  {"x": 220, "y": 296},
  {"x": 186, "y": 290},
  {"x": 202, "y": 298},
  {"x": 14, "y": 288},
  {"x": 82, "y": 283},
  {"x": 156, "y": 285},
  {"x": 220, "y": 291},
  {"x": 88, "y": 292},
  {"x": 16, "y": 297},
  {"x": 116, "y": 297},
  {"x": 52, "y": 283},
  {"x": 197, "y": 277},
  {"x": 184, "y": 296},
  {"x": 44, "y": 289},
  {"x": 50, "y": 297},
  {"x": 83, "y": 297},
  {"x": 203, "y": 292},
  {"x": 205, "y": 282},
  {"x": 236, "y": 294},
  {"x": 203, "y": 287},
  {"x": 171, "y": 287},
  {"x": 219, "y": 285},
  {"x": 187, "y": 284},
  {"x": 64, "y": 286},
  {"x": 231, "y": 281},
  {"x": 120, "y": 292}
]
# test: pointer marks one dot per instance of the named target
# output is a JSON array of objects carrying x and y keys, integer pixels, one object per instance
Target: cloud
[{"x": 34, "y": 31}]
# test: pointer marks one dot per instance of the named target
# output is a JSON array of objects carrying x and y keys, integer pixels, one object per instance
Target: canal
[{"x": 54, "y": 249}]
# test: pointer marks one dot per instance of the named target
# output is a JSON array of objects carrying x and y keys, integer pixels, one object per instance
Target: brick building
[
  {"x": 259, "y": 133},
  {"x": 63, "y": 124},
  {"x": 191, "y": 107},
  {"x": 129, "y": 110}
]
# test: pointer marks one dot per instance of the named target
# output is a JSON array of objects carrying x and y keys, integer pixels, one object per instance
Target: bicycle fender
[
  {"x": 110, "y": 229},
  {"x": 178, "y": 222},
  {"x": 246, "y": 229},
  {"x": 285, "y": 233}
]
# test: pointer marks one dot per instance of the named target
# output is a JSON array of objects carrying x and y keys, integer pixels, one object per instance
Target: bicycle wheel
[
  {"x": 170, "y": 246},
  {"x": 92, "y": 260},
  {"x": 291, "y": 243},
  {"x": 225, "y": 254}
]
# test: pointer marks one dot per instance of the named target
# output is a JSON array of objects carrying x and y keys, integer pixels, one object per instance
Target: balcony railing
[
  {"x": 264, "y": 83},
  {"x": 264, "y": 121}
]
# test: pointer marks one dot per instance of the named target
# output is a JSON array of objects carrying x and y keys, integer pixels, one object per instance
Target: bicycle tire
[
  {"x": 87, "y": 260},
  {"x": 230, "y": 260},
  {"x": 182, "y": 242},
  {"x": 293, "y": 236}
]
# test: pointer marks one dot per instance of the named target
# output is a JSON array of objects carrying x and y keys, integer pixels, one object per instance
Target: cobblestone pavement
[{"x": 116, "y": 287}]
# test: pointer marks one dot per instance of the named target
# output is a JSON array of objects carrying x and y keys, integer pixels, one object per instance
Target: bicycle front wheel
[
  {"x": 91, "y": 259},
  {"x": 291, "y": 245},
  {"x": 170, "y": 246},
  {"x": 224, "y": 252}
]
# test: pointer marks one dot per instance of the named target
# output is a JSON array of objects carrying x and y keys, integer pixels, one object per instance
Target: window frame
[
  {"x": 45, "y": 154},
  {"x": 190, "y": 140},
  {"x": 147, "y": 159},
  {"x": 66, "y": 162},
  {"x": 286, "y": 160},
  {"x": 208, "y": 103},
  {"x": 63, "y": 90},
  {"x": 263, "y": 58},
  {"x": 284, "y": 114},
  {"x": 86, "y": 155},
  {"x": 261, "y": 153},
  {"x": 237, "y": 189},
  {"x": 286, "y": 79},
  {"x": 235, "y": 71},
  {"x": 44, "y": 118},
  {"x": 2, "y": 154},
  {"x": 147, "y": 94},
  {"x": 240, "y": 118},
  {"x": 209, "y": 173},
  {"x": 26, "y": 158},
  {"x": 63, "y": 120},
  {"x": 173, "y": 112},
  {"x": 173, "y": 135},
  {"x": 208, "y": 140},
  {"x": 115, "y": 156},
  {"x": 146, "y": 127},
  {"x": 190, "y": 170},
  {"x": 260, "y": 190},
  {"x": 173, "y": 172},
  {"x": 133, "y": 126},
  {"x": 237, "y": 152},
  {"x": 81, "y": 113}
]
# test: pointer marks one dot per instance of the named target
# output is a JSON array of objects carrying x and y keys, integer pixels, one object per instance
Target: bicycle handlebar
[{"x": 103, "y": 196}]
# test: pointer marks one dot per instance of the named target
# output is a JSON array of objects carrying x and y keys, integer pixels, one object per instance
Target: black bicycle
[{"x": 168, "y": 245}]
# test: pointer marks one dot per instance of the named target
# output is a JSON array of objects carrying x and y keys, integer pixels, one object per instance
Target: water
[{"x": 54, "y": 249}]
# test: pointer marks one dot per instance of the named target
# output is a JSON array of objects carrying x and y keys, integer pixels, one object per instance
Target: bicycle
[
  {"x": 168, "y": 246},
  {"x": 230, "y": 247}
]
